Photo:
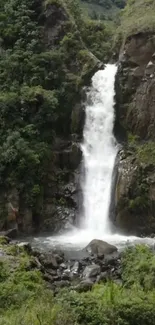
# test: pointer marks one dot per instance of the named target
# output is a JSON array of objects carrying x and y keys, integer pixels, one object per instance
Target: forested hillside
[
  {"x": 103, "y": 9},
  {"x": 48, "y": 53},
  {"x": 138, "y": 16}
]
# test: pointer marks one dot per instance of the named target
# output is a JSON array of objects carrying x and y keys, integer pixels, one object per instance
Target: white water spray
[{"x": 99, "y": 151}]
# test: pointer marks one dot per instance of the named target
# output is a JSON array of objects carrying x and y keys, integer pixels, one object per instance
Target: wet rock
[
  {"x": 100, "y": 247},
  {"x": 63, "y": 266},
  {"x": 70, "y": 157},
  {"x": 112, "y": 259},
  {"x": 58, "y": 218},
  {"x": 103, "y": 277},
  {"x": 118, "y": 272},
  {"x": 47, "y": 277},
  {"x": 58, "y": 258},
  {"x": 150, "y": 68},
  {"x": 59, "y": 255},
  {"x": 66, "y": 276},
  {"x": 11, "y": 233},
  {"x": 62, "y": 284},
  {"x": 52, "y": 272},
  {"x": 38, "y": 264},
  {"x": 84, "y": 286},
  {"x": 49, "y": 261},
  {"x": 91, "y": 271},
  {"x": 104, "y": 267},
  {"x": 57, "y": 278},
  {"x": 75, "y": 268}
]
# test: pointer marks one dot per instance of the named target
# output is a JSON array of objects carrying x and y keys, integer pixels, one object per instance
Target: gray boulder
[
  {"x": 10, "y": 233},
  {"x": 91, "y": 271},
  {"x": 48, "y": 261},
  {"x": 75, "y": 268},
  {"x": 100, "y": 248},
  {"x": 84, "y": 286}
]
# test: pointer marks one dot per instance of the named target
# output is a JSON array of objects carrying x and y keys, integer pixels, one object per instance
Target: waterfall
[{"x": 99, "y": 151}]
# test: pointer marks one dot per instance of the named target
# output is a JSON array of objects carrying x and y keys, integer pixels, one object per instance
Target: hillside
[
  {"x": 48, "y": 53},
  {"x": 138, "y": 16},
  {"x": 102, "y": 9}
]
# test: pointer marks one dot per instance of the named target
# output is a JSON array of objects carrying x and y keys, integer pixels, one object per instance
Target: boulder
[
  {"x": 75, "y": 268},
  {"x": 11, "y": 233},
  {"x": 48, "y": 277},
  {"x": 66, "y": 275},
  {"x": 91, "y": 271},
  {"x": 112, "y": 259},
  {"x": 100, "y": 248},
  {"x": 49, "y": 261},
  {"x": 59, "y": 258},
  {"x": 63, "y": 266},
  {"x": 62, "y": 284},
  {"x": 103, "y": 277},
  {"x": 84, "y": 286}
]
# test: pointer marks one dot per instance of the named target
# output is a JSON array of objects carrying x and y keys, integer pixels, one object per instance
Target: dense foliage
[
  {"x": 108, "y": 3},
  {"x": 27, "y": 103},
  {"x": 137, "y": 16},
  {"x": 39, "y": 86},
  {"x": 103, "y": 9},
  {"x": 24, "y": 298}
]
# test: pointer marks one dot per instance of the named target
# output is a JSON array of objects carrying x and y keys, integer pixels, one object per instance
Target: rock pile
[
  {"x": 103, "y": 262},
  {"x": 100, "y": 264}
]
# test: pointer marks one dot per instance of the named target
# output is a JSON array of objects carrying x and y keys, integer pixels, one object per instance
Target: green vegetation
[
  {"x": 138, "y": 16},
  {"x": 139, "y": 267},
  {"x": 39, "y": 86},
  {"x": 138, "y": 201},
  {"x": 98, "y": 36},
  {"x": 103, "y": 9},
  {"x": 144, "y": 152},
  {"x": 25, "y": 299}
]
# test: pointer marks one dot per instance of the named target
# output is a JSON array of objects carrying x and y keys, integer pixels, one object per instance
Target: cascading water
[{"x": 99, "y": 151}]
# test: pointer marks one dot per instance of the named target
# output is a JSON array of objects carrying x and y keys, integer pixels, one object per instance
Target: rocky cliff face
[{"x": 135, "y": 85}]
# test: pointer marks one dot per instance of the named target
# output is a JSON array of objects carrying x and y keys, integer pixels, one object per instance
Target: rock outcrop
[
  {"x": 135, "y": 86},
  {"x": 136, "y": 77}
]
